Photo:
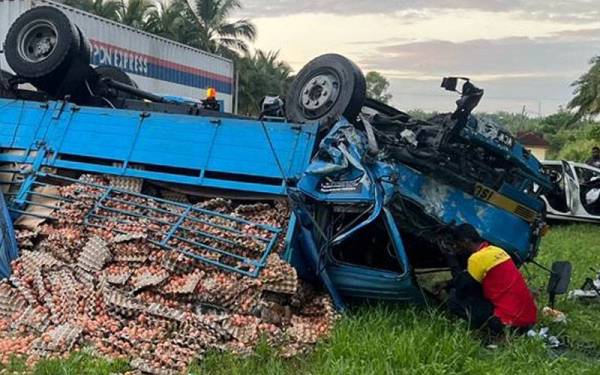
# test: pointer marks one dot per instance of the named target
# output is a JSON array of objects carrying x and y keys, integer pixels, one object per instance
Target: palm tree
[
  {"x": 261, "y": 74},
  {"x": 216, "y": 33},
  {"x": 135, "y": 12},
  {"x": 103, "y": 8},
  {"x": 174, "y": 20},
  {"x": 587, "y": 92},
  {"x": 203, "y": 24}
]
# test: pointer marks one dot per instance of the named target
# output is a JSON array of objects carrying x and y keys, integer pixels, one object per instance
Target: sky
[{"x": 524, "y": 53}]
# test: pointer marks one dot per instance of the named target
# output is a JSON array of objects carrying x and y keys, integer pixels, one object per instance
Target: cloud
[
  {"x": 536, "y": 95},
  {"x": 266, "y": 8},
  {"x": 560, "y": 55},
  {"x": 516, "y": 72},
  {"x": 573, "y": 10}
]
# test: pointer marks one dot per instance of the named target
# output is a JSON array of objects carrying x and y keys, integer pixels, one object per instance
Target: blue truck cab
[{"x": 369, "y": 220}]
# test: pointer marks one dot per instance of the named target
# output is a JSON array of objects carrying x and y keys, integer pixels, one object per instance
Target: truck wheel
[
  {"x": 327, "y": 87},
  {"x": 40, "y": 42},
  {"x": 85, "y": 48}
]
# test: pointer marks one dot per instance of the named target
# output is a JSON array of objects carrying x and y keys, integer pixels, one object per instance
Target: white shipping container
[{"x": 156, "y": 64}]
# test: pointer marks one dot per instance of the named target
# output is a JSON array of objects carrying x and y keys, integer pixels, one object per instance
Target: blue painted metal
[
  {"x": 516, "y": 154},
  {"x": 226, "y": 153},
  {"x": 518, "y": 195},
  {"x": 447, "y": 203},
  {"x": 342, "y": 155},
  {"x": 348, "y": 281},
  {"x": 452, "y": 205},
  {"x": 313, "y": 254},
  {"x": 179, "y": 227},
  {"x": 362, "y": 282},
  {"x": 8, "y": 244}
]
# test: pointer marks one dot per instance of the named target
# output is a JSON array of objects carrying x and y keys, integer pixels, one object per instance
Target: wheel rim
[
  {"x": 37, "y": 41},
  {"x": 319, "y": 94}
]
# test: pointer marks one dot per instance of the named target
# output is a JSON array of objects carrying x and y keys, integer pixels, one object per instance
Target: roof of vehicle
[{"x": 574, "y": 163}]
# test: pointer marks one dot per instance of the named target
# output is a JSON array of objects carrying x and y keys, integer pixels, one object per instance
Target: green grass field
[{"x": 408, "y": 340}]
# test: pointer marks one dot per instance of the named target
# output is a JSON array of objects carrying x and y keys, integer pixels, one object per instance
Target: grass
[{"x": 411, "y": 340}]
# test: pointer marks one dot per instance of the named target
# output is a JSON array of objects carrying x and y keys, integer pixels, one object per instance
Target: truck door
[
  {"x": 373, "y": 264},
  {"x": 556, "y": 199}
]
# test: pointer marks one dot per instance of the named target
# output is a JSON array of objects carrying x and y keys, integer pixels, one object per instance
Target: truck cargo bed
[{"x": 214, "y": 152}]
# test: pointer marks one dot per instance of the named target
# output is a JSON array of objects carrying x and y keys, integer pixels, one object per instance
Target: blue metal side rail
[
  {"x": 8, "y": 243},
  {"x": 228, "y": 242},
  {"x": 213, "y": 152}
]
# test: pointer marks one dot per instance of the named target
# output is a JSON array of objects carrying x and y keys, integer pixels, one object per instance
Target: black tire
[
  {"x": 325, "y": 89},
  {"x": 85, "y": 48},
  {"x": 35, "y": 27}
]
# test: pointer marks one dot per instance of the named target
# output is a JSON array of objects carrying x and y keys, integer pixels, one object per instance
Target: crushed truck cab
[
  {"x": 375, "y": 193},
  {"x": 367, "y": 223},
  {"x": 381, "y": 195}
]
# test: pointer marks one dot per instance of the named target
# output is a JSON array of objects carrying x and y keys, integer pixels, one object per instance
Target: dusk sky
[{"x": 522, "y": 52}]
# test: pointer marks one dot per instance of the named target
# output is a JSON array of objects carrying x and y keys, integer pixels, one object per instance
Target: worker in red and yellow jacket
[{"x": 491, "y": 292}]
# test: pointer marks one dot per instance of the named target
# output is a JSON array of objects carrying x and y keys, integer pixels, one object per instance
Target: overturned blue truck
[{"x": 374, "y": 192}]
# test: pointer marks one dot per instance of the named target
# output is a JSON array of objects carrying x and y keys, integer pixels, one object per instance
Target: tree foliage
[
  {"x": 587, "y": 92},
  {"x": 135, "y": 13},
  {"x": 216, "y": 33},
  {"x": 103, "y": 8},
  {"x": 204, "y": 24},
  {"x": 377, "y": 87},
  {"x": 174, "y": 20},
  {"x": 261, "y": 74}
]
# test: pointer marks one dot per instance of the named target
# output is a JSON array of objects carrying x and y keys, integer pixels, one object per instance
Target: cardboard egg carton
[
  {"x": 190, "y": 282},
  {"x": 148, "y": 279},
  {"x": 94, "y": 255},
  {"x": 10, "y": 300},
  {"x": 121, "y": 304},
  {"x": 60, "y": 339},
  {"x": 161, "y": 311},
  {"x": 119, "y": 279},
  {"x": 126, "y": 237}
]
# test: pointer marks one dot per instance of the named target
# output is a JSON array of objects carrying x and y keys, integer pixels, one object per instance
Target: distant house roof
[{"x": 532, "y": 139}]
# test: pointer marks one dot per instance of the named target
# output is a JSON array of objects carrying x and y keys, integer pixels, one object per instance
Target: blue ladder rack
[{"x": 227, "y": 242}]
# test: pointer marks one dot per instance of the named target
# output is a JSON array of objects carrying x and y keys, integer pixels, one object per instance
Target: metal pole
[{"x": 132, "y": 90}]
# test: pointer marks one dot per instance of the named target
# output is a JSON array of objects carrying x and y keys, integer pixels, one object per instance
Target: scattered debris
[
  {"x": 555, "y": 315},
  {"x": 127, "y": 297},
  {"x": 543, "y": 334},
  {"x": 589, "y": 295},
  {"x": 589, "y": 291}
]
